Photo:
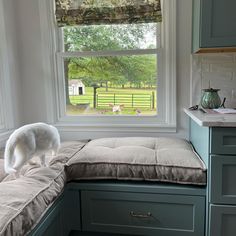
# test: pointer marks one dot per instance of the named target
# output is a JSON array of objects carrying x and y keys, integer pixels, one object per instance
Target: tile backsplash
[{"x": 218, "y": 70}]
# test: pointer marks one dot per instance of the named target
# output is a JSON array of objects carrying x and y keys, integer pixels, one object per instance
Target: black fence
[{"x": 103, "y": 100}]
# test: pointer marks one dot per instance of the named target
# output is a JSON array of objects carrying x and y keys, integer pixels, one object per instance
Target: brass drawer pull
[{"x": 148, "y": 215}]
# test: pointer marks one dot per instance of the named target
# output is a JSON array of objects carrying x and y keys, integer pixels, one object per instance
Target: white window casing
[
  {"x": 6, "y": 120},
  {"x": 53, "y": 65},
  {"x": 6, "y": 103}
]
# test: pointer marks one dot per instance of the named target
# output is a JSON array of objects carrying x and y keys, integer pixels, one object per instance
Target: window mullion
[{"x": 108, "y": 53}]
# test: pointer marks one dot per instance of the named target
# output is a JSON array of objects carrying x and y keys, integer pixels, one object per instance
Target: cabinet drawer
[
  {"x": 223, "y": 141},
  {"x": 143, "y": 214},
  {"x": 222, "y": 179},
  {"x": 222, "y": 220}
]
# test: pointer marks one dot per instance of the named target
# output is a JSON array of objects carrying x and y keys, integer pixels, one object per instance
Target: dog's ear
[
  {"x": 122, "y": 105},
  {"x": 110, "y": 105}
]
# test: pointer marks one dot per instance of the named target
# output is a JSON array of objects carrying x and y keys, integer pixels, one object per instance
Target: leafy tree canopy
[{"x": 118, "y": 70}]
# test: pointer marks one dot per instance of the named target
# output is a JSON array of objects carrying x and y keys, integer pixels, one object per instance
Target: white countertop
[{"x": 212, "y": 120}]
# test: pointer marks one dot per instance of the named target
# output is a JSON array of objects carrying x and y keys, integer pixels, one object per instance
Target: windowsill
[{"x": 98, "y": 127}]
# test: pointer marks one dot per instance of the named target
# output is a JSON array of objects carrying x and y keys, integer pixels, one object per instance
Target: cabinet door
[
  {"x": 143, "y": 214},
  {"x": 222, "y": 220},
  {"x": 72, "y": 215},
  {"x": 218, "y": 26},
  {"x": 223, "y": 140},
  {"x": 222, "y": 179},
  {"x": 53, "y": 222}
]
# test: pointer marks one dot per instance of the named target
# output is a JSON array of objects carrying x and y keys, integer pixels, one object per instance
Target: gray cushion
[
  {"x": 153, "y": 159},
  {"x": 24, "y": 200}
]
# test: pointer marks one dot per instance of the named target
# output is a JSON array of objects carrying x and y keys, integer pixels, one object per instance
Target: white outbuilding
[{"x": 76, "y": 87}]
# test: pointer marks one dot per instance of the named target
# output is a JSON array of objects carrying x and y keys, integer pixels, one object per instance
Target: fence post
[
  {"x": 153, "y": 100},
  {"x": 94, "y": 97},
  {"x": 132, "y": 100}
]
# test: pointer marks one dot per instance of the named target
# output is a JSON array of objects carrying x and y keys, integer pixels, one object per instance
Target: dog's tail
[{"x": 8, "y": 157}]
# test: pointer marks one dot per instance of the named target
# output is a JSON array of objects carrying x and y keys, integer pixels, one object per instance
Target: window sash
[
  {"x": 61, "y": 47},
  {"x": 109, "y": 53},
  {"x": 61, "y": 75},
  {"x": 62, "y": 56}
]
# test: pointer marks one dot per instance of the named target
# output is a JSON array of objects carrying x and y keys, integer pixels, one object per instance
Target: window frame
[
  {"x": 61, "y": 55},
  {"x": 6, "y": 113},
  {"x": 165, "y": 121}
]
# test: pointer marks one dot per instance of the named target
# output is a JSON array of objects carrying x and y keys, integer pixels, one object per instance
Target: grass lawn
[{"x": 135, "y": 101}]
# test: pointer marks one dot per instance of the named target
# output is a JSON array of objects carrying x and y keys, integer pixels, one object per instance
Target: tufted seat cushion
[
  {"x": 25, "y": 198},
  {"x": 153, "y": 159}
]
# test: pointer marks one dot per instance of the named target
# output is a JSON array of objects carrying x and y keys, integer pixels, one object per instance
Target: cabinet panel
[
  {"x": 214, "y": 24},
  {"x": 222, "y": 179},
  {"x": 53, "y": 222},
  {"x": 218, "y": 23},
  {"x": 223, "y": 141},
  {"x": 72, "y": 209},
  {"x": 222, "y": 220},
  {"x": 143, "y": 214},
  {"x": 199, "y": 137}
]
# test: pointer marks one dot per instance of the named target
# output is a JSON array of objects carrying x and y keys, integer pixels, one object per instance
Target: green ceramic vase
[{"x": 210, "y": 98}]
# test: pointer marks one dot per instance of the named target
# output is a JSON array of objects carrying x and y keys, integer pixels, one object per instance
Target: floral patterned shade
[{"x": 90, "y": 12}]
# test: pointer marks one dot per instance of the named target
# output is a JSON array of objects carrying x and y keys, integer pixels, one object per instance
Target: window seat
[{"x": 27, "y": 202}]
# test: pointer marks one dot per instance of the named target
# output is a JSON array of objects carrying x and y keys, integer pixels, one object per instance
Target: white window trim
[
  {"x": 166, "y": 122},
  {"x": 6, "y": 117}
]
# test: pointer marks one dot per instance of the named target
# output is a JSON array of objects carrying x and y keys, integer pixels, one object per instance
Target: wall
[
  {"x": 12, "y": 51},
  {"x": 10, "y": 70},
  {"x": 29, "y": 78},
  {"x": 31, "y": 61},
  {"x": 220, "y": 71}
]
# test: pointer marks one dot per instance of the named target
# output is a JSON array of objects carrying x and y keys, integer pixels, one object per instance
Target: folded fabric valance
[{"x": 90, "y": 12}]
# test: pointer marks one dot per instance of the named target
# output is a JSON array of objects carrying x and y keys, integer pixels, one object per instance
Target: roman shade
[{"x": 90, "y": 12}]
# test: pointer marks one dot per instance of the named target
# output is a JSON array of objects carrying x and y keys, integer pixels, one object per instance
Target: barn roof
[{"x": 75, "y": 82}]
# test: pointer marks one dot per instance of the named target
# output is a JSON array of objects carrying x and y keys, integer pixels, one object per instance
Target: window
[
  {"x": 111, "y": 69},
  {"x": 118, "y": 75},
  {"x": 6, "y": 120}
]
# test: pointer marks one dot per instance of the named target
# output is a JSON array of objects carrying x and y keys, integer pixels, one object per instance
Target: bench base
[{"x": 114, "y": 208}]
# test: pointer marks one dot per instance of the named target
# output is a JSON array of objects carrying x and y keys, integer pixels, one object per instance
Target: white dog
[
  {"x": 29, "y": 141},
  {"x": 116, "y": 108}
]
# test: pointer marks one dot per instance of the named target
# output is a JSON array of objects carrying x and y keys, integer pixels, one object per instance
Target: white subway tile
[
  {"x": 218, "y": 84},
  {"x": 220, "y": 70},
  {"x": 206, "y": 67},
  {"x": 222, "y": 76},
  {"x": 223, "y": 67},
  {"x": 218, "y": 57}
]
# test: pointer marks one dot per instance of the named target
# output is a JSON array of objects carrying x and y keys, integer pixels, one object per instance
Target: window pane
[
  {"x": 110, "y": 37},
  {"x": 124, "y": 85}
]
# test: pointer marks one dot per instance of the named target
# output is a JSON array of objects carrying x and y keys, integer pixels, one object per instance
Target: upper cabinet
[{"x": 214, "y": 26}]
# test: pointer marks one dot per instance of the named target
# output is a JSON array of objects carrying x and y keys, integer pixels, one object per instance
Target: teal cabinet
[
  {"x": 223, "y": 176},
  {"x": 217, "y": 147},
  {"x": 116, "y": 208},
  {"x": 54, "y": 221},
  {"x": 143, "y": 214},
  {"x": 214, "y": 25},
  {"x": 223, "y": 220},
  {"x": 223, "y": 141}
]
